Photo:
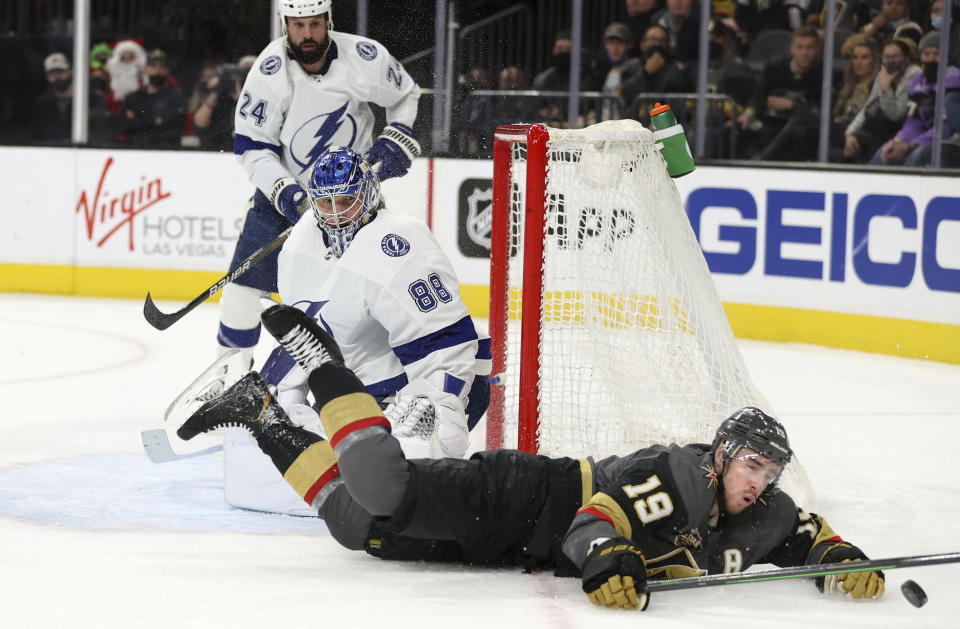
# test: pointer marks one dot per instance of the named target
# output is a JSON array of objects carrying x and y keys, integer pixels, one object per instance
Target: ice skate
[
  {"x": 226, "y": 370},
  {"x": 305, "y": 341},
  {"x": 247, "y": 404}
]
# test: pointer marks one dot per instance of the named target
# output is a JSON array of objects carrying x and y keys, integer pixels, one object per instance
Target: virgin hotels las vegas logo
[{"x": 108, "y": 212}]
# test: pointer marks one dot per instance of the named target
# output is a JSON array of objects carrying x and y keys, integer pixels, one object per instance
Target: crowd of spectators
[
  {"x": 764, "y": 82},
  {"x": 764, "y": 79},
  {"x": 135, "y": 101}
]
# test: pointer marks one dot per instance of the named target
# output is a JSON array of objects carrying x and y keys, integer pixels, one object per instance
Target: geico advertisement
[
  {"x": 863, "y": 243},
  {"x": 158, "y": 210}
]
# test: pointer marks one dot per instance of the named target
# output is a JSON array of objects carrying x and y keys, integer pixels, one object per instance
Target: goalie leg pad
[{"x": 252, "y": 481}]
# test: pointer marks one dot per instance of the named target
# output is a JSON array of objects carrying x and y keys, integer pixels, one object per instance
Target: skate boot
[
  {"x": 302, "y": 338},
  {"x": 247, "y": 404}
]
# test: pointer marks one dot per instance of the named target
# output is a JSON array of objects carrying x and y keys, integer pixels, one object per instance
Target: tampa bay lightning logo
[
  {"x": 270, "y": 65},
  {"x": 366, "y": 50},
  {"x": 312, "y": 310},
  {"x": 395, "y": 245},
  {"x": 320, "y": 133}
]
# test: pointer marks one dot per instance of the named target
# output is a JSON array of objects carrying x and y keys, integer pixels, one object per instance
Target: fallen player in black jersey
[{"x": 665, "y": 511}]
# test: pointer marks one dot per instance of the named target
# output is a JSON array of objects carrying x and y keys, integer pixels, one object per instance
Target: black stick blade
[{"x": 157, "y": 319}]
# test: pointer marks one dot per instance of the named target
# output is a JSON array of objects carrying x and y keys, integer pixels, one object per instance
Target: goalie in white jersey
[
  {"x": 307, "y": 91},
  {"x": 380, "y": 284}
]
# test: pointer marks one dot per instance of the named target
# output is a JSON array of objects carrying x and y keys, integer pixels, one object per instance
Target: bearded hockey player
[
  {"x": 379, "y": 282},
  {"x": 664, "y": 511},
  {"x": 307, "y": 91}
]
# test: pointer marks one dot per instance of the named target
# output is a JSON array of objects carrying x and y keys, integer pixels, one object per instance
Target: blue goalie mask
[{"x": 345, "y": 192}]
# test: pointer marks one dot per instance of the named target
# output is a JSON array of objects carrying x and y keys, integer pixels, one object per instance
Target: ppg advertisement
[{"x": 862, "y": 243}]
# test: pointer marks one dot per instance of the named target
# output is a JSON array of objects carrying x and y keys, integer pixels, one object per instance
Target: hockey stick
[
  {"x": 796, "y": 572},
  {"x": 162, "y": 320},
  {"x": 158, "y": 449}
]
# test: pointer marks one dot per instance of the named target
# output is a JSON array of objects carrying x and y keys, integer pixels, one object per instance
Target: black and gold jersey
[{"x": 662, "y": 498}]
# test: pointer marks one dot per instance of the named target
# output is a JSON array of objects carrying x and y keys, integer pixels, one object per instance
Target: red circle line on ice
[{"x": 142, "y": 351}]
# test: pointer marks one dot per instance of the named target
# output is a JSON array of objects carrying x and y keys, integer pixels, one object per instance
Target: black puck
[{"x": 913, "y": 593}]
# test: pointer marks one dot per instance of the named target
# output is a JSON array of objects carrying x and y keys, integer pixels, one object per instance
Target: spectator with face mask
[
  {"x": 53, "y": 110},
  {"x": 656, "y": 71},
  {"x": 886, "y": 107},
  {"x": 556, "y": 76},
  {"x": 726, "y": 74},
  {"x": 935, "y": 22},
  {"x": 153, "y": 116},
  {"x": 99, "y": 77},
  {"x": 911, "y": 145}
]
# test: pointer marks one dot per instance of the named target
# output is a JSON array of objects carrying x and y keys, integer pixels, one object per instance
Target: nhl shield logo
[
  {"x": 480, "y": 216},
  {"x": 474, "y": 217}
]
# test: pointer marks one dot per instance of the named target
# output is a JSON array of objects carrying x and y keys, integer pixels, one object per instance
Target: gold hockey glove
[
  {"x": 855, "y": 585},
  {"x": 615, "y": 575}
]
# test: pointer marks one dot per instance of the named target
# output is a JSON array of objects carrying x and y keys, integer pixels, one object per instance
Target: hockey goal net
[{"x": 608, "y": 334}]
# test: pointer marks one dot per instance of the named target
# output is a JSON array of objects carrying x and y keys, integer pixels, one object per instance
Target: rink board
[{"x": 846, "y": 259}]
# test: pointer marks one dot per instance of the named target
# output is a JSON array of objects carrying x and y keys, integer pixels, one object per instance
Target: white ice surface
[{"x": 94, "y": 535}]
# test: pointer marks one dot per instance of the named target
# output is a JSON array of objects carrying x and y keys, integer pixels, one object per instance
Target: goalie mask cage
[{"x": 608, "y": 334}]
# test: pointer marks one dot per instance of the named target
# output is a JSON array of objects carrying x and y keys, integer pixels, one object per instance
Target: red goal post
[{"x": 534, "y": 137}]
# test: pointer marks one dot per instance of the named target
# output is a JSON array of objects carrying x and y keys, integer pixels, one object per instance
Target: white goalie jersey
[
  {"x": 392, "y": 302},
  {"x": 286, "y": 118}
]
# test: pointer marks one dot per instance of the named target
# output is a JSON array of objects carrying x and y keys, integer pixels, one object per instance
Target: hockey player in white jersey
[
  {"x": 307, "y": 91},
  {"x": 380, "y": 284}
]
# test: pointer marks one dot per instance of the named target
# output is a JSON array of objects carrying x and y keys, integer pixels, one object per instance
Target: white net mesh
[{"x": 635, "y": 346}]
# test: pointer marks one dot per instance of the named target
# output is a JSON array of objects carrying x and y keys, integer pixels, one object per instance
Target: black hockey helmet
[{"x": 752, "y": 428}]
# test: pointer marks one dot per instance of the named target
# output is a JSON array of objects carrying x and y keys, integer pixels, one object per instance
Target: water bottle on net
[{"x": 671, "y": 141}]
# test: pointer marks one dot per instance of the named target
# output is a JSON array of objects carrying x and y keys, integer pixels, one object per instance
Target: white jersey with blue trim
[
  {"x": 286, "y": 117},
  {"x": 392, "y": 302}
]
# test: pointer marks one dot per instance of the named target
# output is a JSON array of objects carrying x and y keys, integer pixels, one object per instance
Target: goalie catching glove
[
  {"x": 289, "y": 198},
  {"x": 396, "y": 148},
  {"x": 428, "y": 421},
  {"x": 855, "y": 585},
  {"x": 615, "y": 575}
]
